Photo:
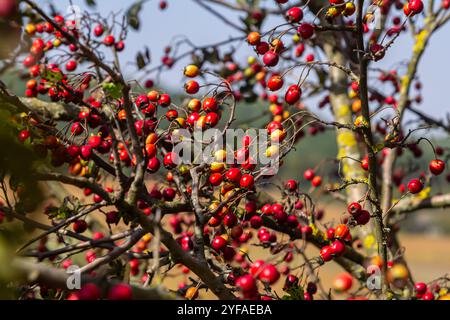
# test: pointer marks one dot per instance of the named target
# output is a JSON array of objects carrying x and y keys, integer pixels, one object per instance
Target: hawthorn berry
[
  {"x": 416, "y": 6},
  {"x": 354, "y": 208},
  {"x": 79, "y": 226},
  {"x": 109, "y": 40},
  {"x": 343, "y": 282},
  {"x": 294, "y": 15},
  {"x": 293, "y": 95},
  {"x": 326, "y": 253},
  {"x": 247, "y": 181},
  {"x": 253, "y": 38},
  {"x": 215, "y": 179},
  {"x": 291, "y": 185},
  {"x": 362, "y": 217},
  {"x": 305, "y": 30},
  {"x": 269, "y": 274},
  {"x": 437, "y": 166},
  {"x": 246, "y": 283},
  {"x": 233, "y": 175},
  {"x": 191, "y": 87},
  {"x": 219, "y": 243},
  {"x": 309, "y": 174},
  {"x": 275, "y": 83},
  {"x": 271, "y": 58},
  {"x": 421, "y": 288},
  {"x": 89, "y": 291},
  {"x": 316, "y": 181},
  {"x": 170, "y": 160},
  {"x": 337, "y": 248},
  {"x": 341, "y": 231},
  {"x": 415, "y": 186},
  {"x": 24, "y": 135},
  {"x": 120, "y": 291},
  {"x": 71, "y": 65}
]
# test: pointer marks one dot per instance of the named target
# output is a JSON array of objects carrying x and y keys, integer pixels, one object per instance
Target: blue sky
[{"x": 185, "y": 17}]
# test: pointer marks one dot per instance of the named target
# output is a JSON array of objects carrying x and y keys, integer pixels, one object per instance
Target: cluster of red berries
[
  {"x": 426, "y": 292},
  {"x": 339, "y": 236},
  {"x": 413, "y": 7},
  {"x": 91, "y": 291},
  {"x": 360, "y": 215}
]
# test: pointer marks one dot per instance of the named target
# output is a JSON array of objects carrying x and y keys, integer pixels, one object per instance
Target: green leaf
[
  {"x": 140, "y": 61},
  {"x": 133, "y": 14},
  {"x": 294, "y": 293},
  {"x": 91, "y": 3},
  {"x": 52, "y": 76},
  {"x": 113, "y": 90}
]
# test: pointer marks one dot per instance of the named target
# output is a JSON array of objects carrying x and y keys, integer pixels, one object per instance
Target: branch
[
  {"x": 57, "y": 278},
  {"x": 413, "y": 203}
]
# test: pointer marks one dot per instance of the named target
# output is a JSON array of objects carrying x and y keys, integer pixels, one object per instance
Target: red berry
[
  {"x": 169, "y": 194},
  {"x": 210, "y": 104},
  {"x": 29, "y": 61},
  {"x": 109, "y": 40},
  {"x": 233, "y": 175},
  {"x": 377, "y": 51},
  {"x": 98, "y": 30},
  {"x": 330, "y": 233},
  {"x": 94, "y": 141},
  {"x": 256, "y": 222},
  {"x": 305, "y": 30},
  {"x": 365, "y": 163},
  {"x": 354, "y": 208},
  {"x": 79, "y": 226},
  {"x": 76, "y": 128},
  {"x": 247, "y": 181},
  {"x": 326, "y": 253},
  {"x": 363, "y": 217},
  {"x": 230, "y": 220},
  {"x": 120, "y": 291},
  {"x": 294, "y": 14},
  {"x": 291, "y": 185},
  {"x": 191, "y": 87},
  {"x": 89, "y": 291},
  {"x": 219, "y": 243},
  {"x": 309, "y": 174},
  {"x": 420, "y": 287},
  {"x": 71, "y": 65},
  {"x": 246, "y": 283},
  {"x": 343, "y": 282},
  {"x": 428, "y": 296},
  {"x": 341, "y": 232},
  {"x": 23, "y": 135},
  {"x": 271, "y": 58},
  {"x": 170, "y": 160},
  {"x": 416, "y": 6},
  {"x": 212, "y": 119},
  {"x": 164, "y": 100},
  {"x": 275, "y": 83},
  {"x": 86, "y": 152},
  {"x": 316, "y": 181},
  {"x": 415, "y": 186},
  {"x": 338, "y": 248},
  {"x": 293, "y": 95},
  {"x": 215, "y": 179},
  {"x": 437, "y": 166},
  {"x": 153, "y": 164},
  {"x": 269, "y": 274},
  {"x": 120, "y": 46}
]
